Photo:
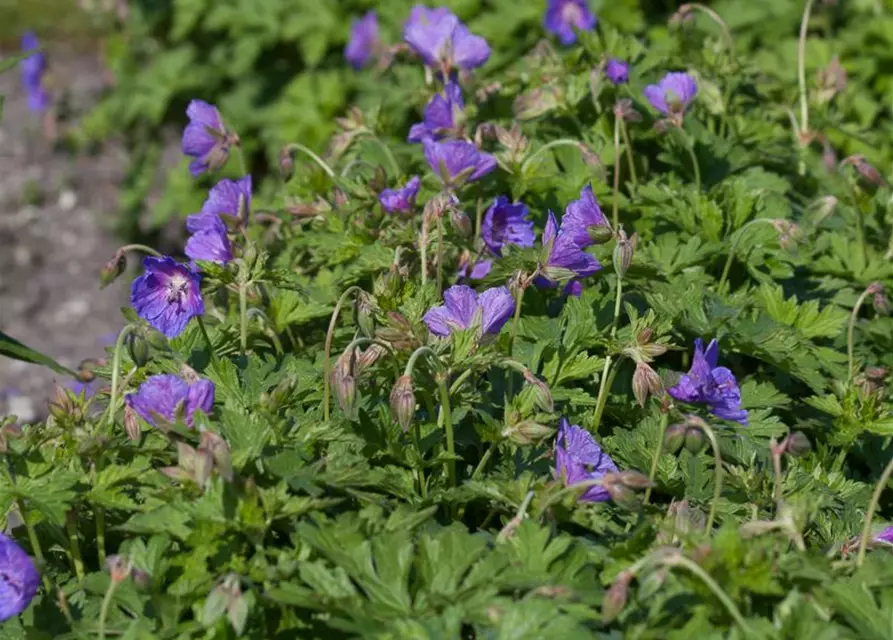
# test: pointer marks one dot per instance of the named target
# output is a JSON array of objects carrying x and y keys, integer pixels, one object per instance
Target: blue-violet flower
[
  {"x": 582, "y": 217},
  {"x": 464, "y": 308},
  {"x": 579, "y": 458},
  {"x": 400, "y": 200},
  {"x": 565, "y": 17},
  {"x": 707, "y": 383},
  {"x": 506, "y": 223},
  {"x": 672, "y": 95},
  {"x": 457, "y": 162},
  {"x": 617, "y": 71},
  {"x": 442, "y": 41},
  {"x": 18, "y": 578},
  {"x": 442, "y": 115},
  {"x": 33, "y": 70},
  {"x": 169, "y": 397},
  {"x": 363, "y": 40},
  {"x": 167, "y": 295},
  {"x": 205, "y": 138}
]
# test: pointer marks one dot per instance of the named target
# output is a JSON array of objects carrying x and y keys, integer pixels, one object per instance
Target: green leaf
[{"x": 12, "y": 348}]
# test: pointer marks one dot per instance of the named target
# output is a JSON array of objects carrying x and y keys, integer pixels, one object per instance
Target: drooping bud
[
  {"x": 645, "y": 382},
  {"x": 344, "y": 381},
  {"x": 865, "y": 169},
  {"x": 138, "y": 348},
  {"x": 112, "y": 269},
  {"x": 590, "y": 157},
  {"x": 460, "y": 221},
  {"x": 403, "y": 402},
  {"x": 797, "y": 444},
  {"x": 674, "y": 438},
  {"x": 634, "y": 480},
  {"x": 695, "y": 439},
  {"x": 220, "y": 452},
  {"x": 286, "y": 163},
  {"x": 527, "y": 432},
  {"x": 880, "y": 303},
  {"x": 541, "y": 392},
  {"x": 203, "y": 464},
  {"x": 132, "y": 423},
  {"x": 369, "y": 357},
  {"x": 364, "y": 310},
  {"x": 621, "y": 494},
  {"x": 829, "y": 156},
  {"x": 625, "y": 110},
  {"x": 623, "y": 252},
  {"x": 617, "y": 596}
]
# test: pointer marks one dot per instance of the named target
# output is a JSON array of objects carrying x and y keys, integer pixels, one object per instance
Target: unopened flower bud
[
  {"x": 112, "y": 269},
  {"x": 625, "y": 110},
  {"x": 203, "y": 464},
  {"x": 119, "y": 568},
  {"x": 695, "y": 440},
  {"x": 830, "y": 81},
  {"x": 865, "y": 169},
  {"x": 616, "y": 597},
  {"x": 541, "y": 392},
  {"x": 220, "y": 452},
  {"x": 590, "y": 157},
  {"x": 645, "y": 382},
  {"x": 617, "y": 489},
  {"x": 797, "y": 444},
  {"x": 599, "y": 233},
  {"x": 527, "y": 432},
  {"x": 403, "y": 402},
  {"x": 132, "y": 423},
  {"x": 535, "y": 103},
  {"x": 824, "y": 207},
  {"x": 344, "y": 381},
  {"x": 644, "y": 336},
  {"x": 138, "y": 348},
  {"x": 364, "y": 309},
  {"x": 369, "y": 357},
  {"x": 286, "y": 163},
  {"x": 674, "y": 438},
  {"x": 881, "y": 304},
  {"x": 460, "y": 221},
  {"x": 623, "y": 252},
  {"x": 829, "y": 156},
  {"x": 634, "y": 480},
  {"x": 64, "y": 405}
]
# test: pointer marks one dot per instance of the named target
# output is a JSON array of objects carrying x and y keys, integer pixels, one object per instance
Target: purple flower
[
  {"x": 442, "y": 115},
  {"x": 363, "y": 40},
  {"x": 884, "y": 536},
  {"x": 565, "y": 254},
  {"x": 230, "y": 198},
  {"x": 476, "y": 269},
  {"x": 205, "y": 138},
  {"x": 573, "y": 288},
  {"x": 578, "y": 458},
  {"x": 709, "y": 384},
  {"x": 400, "y": 200},
  {"x": 463, "y": 308},
  {"x": 565, "y": 17},
  {"x": 209, "y": 240},
  {"x": 442, "y": 41},
  {"x": 581, "y": 216},
  {"x": 617, "y": 71},
  {"x": 673, "y": 94},
  {"x": 33, "y": 69},
  {"x": 167, "y": 296},
  {"x": 170, "y": 397},
  {"x": 18, "y": 578},
  {"x": 457, "y": 161},
  {"x": 506, "y": 223}
]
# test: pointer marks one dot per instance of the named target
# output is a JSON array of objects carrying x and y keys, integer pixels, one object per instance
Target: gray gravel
[{"x": 56, "y": 210}]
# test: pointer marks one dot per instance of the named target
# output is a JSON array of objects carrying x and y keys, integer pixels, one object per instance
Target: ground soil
[{"x": 57, "y": 208}]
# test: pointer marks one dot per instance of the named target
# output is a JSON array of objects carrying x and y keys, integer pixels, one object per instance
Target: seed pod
[
  {"x": 674, "y": 438},
  {"x": 112, "y": 269},
  {"x": 403, "y": 402}
]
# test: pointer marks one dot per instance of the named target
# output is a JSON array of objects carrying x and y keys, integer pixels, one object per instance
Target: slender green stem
[
  {"x": 629, "y": 152},
  {"x": 616, "y": 205},
  {"x": 736, "y": 240},
  {"x": 439, "y": 255},
  {"x": 719, "y": 21},
  {"x": 423, "y": 248},
  {"x": 240, "y": 154},
  {"x": 327, "y": 364},
  {"x": 457, "y": 383},
  {"x": 801, "y": 67},
  {"x": 604, "y": 389},
  {"x": 104, "y": 609},
  {"x": 410, "y": 364},
  {"x": 776, "y": 467},
  {"x": 116, "y": 370},
  {"x": 206, "y": 337},
  {"x": 140, "y": 247},
  {"x": 658, "y": 450},
  {"x": 420, "y": 472},
  {"x": 484, "y": 460},
  {"x": 387, "y": 151},
  {"x": 850, "y": 333},
  {"x": 618, "y": 296},
  {"x": 872, "y": 507},
  {"x": 696, "y": 169},
  {"x": 571, "y": 488},
  {"x": 35, "y": 548},
  {"x": 519, "y": 299},
  {"x": 294, "y": 146},
  {"x": 478, "y": 219},
  {"x": 71, "y": 528},
  {"x": 243, "y": 317},
  {"x": 860, "y": 222},
  {"x": 563, "y": 142},
  {"x": 717, "y": 470},
  {"x": 447, "y": 419},
  {"x": 99, "y": 515},
  {"x": 678, "y": 560}
]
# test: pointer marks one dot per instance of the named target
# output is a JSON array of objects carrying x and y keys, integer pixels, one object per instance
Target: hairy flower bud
[
  {"x": 344, "y": 381},
  {"x": 645, "y": 382},
  {"x": 865, "y": 169},
  {"x": 797, "y": 444},
  {"x": 220, "y": 452},
  {"x": 536, "y": 102},
  {"x": 527, "y": 432},
  {"x": 132, "y": 423},
  {"x": 364, "y": 309},
  {"x": 286, "y": 163},
  {"x": 119, "y": 568},
  {"x": 625, "y": 110},
  {"x": 541, "y": 392},
  {"x": 674, "y": 438},
  {"x": 138, "y": 348},
  {"x": 112, "y": 269},
  {"x": 403, "y": 402},
  {"x": 460, "y": 221},
  {"x": 623, "y": 252},
  {"x": 695, "y": 440},
  {"x": 369, "y": 357},
  {"x": 830, "y": 81},
  {"x": 202, "y": 465},
  {"x": 616, "y": 597},
  {"x": 64, "y": 405}
]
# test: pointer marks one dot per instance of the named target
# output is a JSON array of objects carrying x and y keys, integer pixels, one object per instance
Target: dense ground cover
[{"x": 578, "y": 328}]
